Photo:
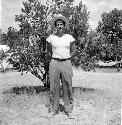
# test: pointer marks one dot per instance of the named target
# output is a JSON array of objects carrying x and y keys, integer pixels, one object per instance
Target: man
[{"x": 62, "y": 46}]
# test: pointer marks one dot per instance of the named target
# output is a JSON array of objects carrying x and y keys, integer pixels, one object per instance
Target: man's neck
[{"x": 60, "y": 34}]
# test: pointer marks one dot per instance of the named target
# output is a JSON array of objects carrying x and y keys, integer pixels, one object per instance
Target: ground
[{"x": 97, "y": 99}]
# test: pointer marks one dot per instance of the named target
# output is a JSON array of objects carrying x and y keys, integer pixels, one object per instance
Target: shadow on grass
[
  {"x": 26, "y": 90},
  {"x": 40, "y": 89},
  {"x": 82, "y": 89}
]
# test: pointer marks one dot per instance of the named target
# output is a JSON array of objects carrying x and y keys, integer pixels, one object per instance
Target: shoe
[{"x": 72, "y": 116}]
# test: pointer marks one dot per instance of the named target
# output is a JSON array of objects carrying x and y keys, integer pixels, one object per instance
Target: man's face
[{"x": 59, "y": 25}]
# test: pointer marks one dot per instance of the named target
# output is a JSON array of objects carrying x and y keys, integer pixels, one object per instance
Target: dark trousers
[{"x": 61, "y": 71}]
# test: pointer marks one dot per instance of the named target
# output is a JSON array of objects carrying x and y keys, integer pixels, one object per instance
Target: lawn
[{"x": 97, "y": 99}]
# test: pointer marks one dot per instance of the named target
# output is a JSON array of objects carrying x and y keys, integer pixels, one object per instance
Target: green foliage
[
  {"x": 110, "y": 27},
  {"x": 90, "y": 52},
  {"x": 10, "y": 38},
  {"x": 110, "y": 24},
  {"x": 33, "y": 19},
  {"x": 3, "y": 38}
]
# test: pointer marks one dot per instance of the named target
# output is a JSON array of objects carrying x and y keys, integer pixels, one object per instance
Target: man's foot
[{"x": 70, "y": 115}]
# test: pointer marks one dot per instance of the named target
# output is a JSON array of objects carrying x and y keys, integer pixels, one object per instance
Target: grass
[{"x": 23, "y": 103}]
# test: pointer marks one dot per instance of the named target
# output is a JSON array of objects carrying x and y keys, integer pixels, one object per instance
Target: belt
[{"x": 60, "y": 60}]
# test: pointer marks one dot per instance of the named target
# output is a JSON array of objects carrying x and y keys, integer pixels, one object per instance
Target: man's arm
[
  {"x": 48, "y": 51},
  {"x": 73, "y": 50}
]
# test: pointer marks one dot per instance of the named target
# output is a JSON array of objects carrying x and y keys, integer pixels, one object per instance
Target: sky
[{"x": 10, "y": 8}]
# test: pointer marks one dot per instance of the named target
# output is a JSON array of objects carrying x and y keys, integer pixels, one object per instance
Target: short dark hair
[{"x": 60, "y": 20}]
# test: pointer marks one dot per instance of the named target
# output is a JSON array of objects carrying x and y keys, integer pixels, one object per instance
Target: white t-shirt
[{"x": 60, "y": 45}]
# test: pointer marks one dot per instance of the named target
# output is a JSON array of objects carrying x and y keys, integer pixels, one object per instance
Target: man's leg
[
  {"x": 66, "y": 77},
  {"x": 54, "y": 77}
]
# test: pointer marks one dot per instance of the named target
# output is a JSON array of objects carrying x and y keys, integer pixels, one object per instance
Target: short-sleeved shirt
[{"x": 60, "y": 45}]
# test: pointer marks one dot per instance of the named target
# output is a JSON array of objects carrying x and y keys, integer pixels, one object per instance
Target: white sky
[{"x": 9, "y": 8}]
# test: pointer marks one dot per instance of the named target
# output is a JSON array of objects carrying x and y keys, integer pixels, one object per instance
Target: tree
[
  {"x": 3, "y": 39},
  {"x": 34, "y": 27},
  {"x": 110, "y": 26},
  {"x": 12, "y": 37}
]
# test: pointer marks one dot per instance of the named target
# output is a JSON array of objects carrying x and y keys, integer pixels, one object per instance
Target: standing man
[{"x": 63, "y": 49}]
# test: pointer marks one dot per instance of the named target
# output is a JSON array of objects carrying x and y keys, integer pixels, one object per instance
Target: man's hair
[{"x": 60, "y": 20}]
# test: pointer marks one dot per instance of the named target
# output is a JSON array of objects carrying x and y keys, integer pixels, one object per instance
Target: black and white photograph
[{"x": 60, "y": 62}]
